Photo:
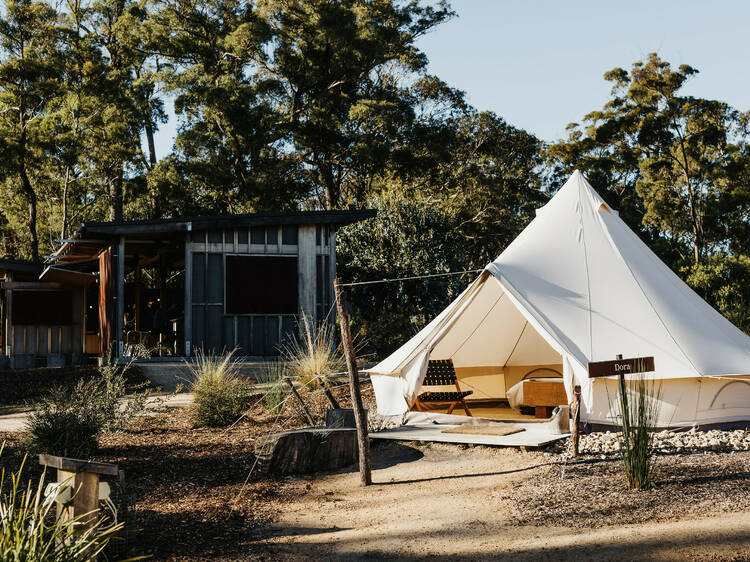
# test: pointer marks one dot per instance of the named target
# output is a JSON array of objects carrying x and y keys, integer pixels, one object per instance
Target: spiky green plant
[
  {"x": 221, "y": 395},
  {"x": 638, "y": 406},
  {"x": 271, "y": 382},
  {"x": 313, "y": 352},
  {"x": 30, "y": 533}
]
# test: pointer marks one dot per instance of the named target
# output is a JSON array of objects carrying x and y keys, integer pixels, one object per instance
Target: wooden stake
[
  {"x": 576, "y": 419},
  {"x": 624, "y": 393},
  {"x": 365, "y": 464},
  {"x": 299, "y": 399},
  {"x": 328, "y": 393}
]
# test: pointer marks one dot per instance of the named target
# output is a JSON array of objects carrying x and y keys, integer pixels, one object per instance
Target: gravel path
[{"x": 16, "y": 422}]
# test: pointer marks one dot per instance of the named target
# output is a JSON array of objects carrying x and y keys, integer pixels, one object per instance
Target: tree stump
[{"x": 306, "y": 450}]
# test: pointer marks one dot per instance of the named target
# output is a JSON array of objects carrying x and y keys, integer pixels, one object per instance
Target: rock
[{"x": 307, "y": 450}]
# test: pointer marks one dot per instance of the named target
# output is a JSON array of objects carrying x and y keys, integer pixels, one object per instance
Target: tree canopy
[{"x": 314, "y": 104}]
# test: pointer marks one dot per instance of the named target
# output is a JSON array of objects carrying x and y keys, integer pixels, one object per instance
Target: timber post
[
  {"x": 363, "y": 441},
  {"x": 576, "y": 430},
  {"x": 81, "y": 506},
  {"x": 309, "y": 417},
  {"x": 624, "y": 393},
  {"x": 327, "y": 392}
]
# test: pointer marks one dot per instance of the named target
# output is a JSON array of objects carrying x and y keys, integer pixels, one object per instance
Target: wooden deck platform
[{"x": 530, "y": 437}]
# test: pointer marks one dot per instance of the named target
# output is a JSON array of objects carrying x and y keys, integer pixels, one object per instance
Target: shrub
[
  {"x": 68, "y": 420},
  {"x": 313, "y": 352},
  {"x": 271, "y": 376},
  {"x": 28, "y": 531},
  {"x": 221, "y": 395},
  {"x": 638, "y": 410}
]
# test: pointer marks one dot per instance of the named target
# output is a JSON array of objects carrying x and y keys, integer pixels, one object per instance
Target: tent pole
[{"x": 363, "y": 441}]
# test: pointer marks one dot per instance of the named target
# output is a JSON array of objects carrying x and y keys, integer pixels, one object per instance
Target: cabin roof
[{"x": 92, "y": 237}]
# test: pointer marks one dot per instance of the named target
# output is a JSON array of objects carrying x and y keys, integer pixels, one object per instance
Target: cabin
[{"x": 173, "y": 286}]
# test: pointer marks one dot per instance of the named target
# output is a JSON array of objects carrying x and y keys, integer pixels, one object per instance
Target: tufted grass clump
[
  {"x": 638, "y": 407},
  {"x": 221, "y": 395},
  {"x": 313, "y": 353},
  {"x": 275, "y": 390},
  {"x": 68, "y": 419}
]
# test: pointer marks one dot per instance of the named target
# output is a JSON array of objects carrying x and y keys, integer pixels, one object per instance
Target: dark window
[
  {"x": 289, "y": 235},
  {"x": 242, "y": 236},
  {"x": 42, "y": 308},
  {"x": 261, "y": 285},
  {"x": 214, "y": 236},
  {"x": 258, "y": 235},
  {"x": 272, "y": 233},
  {"x": 229, "y": 237},
  {"x": 198, "y": 236}
]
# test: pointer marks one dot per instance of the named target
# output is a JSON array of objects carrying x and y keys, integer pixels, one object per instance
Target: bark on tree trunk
[
  {"x": 155, "y": 201},
  {"x": 363, "y": 441},
  {"x": 115, "y": 197},
  {"x": 64, "y": 229},
  {"x": 32, "y": 201}
]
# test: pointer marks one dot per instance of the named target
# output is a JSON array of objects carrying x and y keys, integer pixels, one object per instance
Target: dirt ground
[
  {"x": 193, "y": 500},
  {"x": 442, "y": 501}
]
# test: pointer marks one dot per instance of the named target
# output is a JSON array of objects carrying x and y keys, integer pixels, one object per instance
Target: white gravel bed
[{"x": 665, "y": 442}]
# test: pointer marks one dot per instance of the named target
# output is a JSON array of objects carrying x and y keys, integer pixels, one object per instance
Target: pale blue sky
[{"x": 539, "y": 63}]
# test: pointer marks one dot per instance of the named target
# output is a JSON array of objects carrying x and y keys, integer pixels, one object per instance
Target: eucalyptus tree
[
  {"x": 228, "y": 148},
  {"x": 671, "y": 158},
  {"x": 30, "y": 69},
  {"x": 342, "y": 71}
]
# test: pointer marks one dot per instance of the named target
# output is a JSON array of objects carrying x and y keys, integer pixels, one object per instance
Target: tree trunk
[
  {"x": 360, "y": 417},
  {"x": 115, "y": 197},
  {"x": 29, "y": 193},
  {"x": 155, "y": 200},
  {"x": 32, "y": 201},
  {"x": 64, "y": 228}
]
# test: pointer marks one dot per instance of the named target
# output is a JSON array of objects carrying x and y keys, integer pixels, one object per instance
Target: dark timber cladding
[{"x": 246, "y": 278}]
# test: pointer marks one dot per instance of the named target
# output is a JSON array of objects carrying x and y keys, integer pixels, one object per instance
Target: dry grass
[{"x": 313, "y": 352}]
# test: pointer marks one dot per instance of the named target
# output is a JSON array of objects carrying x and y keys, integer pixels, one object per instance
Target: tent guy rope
[{"x": 396, "y": 279}]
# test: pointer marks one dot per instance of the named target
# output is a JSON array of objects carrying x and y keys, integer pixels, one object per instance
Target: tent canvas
[{"x": 578, "y": 286}]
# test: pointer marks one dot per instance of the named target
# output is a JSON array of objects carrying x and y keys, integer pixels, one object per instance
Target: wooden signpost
[{"x": 621, "y": 367}]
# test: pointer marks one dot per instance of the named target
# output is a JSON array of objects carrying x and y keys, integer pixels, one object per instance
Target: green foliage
[
  {"x": 69, "y": 419},
  {"x": 676, "y": 168},
  {"x": 271, "y": 377},
  {"x": 221, "y": 395},
  {"x": 637, "y": 406},
  {"x": 724, "y": 281},
  {"x": 407, "y": 238},
  {"x": 460, "y": 216},
  {"x": 29, "y": 532}
]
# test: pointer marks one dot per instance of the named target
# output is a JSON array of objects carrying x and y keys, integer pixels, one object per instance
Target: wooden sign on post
[{"x": 621, "y": 367}]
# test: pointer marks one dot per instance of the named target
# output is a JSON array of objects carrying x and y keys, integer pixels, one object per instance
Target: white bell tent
[{"x": 578, "y": 286}]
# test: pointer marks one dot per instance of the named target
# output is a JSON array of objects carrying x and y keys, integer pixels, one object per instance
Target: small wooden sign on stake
[{"x": 621, "y": 366}]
